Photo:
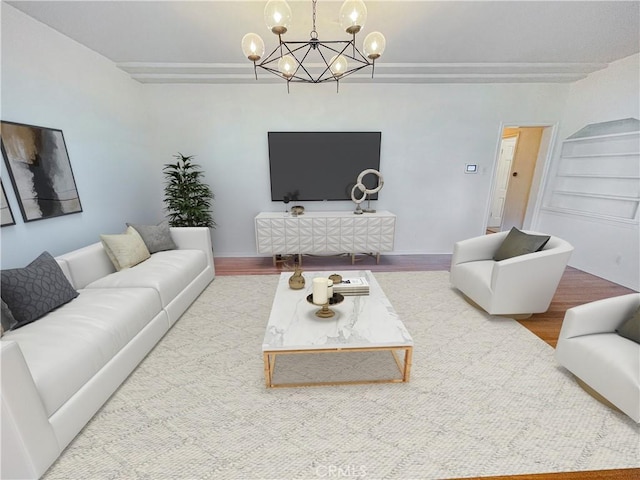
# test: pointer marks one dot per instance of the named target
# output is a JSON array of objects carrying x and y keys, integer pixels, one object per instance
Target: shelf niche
[{"x": 599, "y": 172}]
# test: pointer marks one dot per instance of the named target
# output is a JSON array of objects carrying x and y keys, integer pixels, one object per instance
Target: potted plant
[{"x": 188, "y": 199}]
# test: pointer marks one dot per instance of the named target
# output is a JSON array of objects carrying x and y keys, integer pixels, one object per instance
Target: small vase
[{"x": 296, "y": 281}]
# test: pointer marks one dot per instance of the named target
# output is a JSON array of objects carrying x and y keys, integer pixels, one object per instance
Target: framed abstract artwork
[
  {"x": 5, "y": 210},
  {"x": 40, "y": 171}
]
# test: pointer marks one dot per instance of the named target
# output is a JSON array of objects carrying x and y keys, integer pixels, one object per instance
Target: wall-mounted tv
[{"x": 309, "y": 166}]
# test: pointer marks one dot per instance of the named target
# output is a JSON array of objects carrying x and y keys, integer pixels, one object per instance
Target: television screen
[{"x": 321, "y": 165}]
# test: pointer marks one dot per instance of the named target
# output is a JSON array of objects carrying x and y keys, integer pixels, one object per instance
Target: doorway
[{"x": 520, "y": 164}]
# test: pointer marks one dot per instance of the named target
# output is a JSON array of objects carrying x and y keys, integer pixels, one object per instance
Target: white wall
[
  {"x": 603, "y": 248},
  {"x": 429, "y": 132},
  {"x": 49, "y": 80},
  {"x": 119, "y": 134}
]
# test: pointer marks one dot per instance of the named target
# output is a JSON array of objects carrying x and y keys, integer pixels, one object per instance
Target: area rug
[{"x": 486, "y": 397}]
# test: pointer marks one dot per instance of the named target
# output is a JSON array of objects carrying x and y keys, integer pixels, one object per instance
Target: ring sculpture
[{"x": 366, "y": 192}]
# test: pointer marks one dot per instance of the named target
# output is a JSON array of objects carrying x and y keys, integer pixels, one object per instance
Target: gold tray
[
  {"x": 325, "y": 311},
  {"x": 336, "y": 299}
]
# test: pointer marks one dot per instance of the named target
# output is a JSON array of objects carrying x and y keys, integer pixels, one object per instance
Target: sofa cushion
[
  {"x": 157, "y": 238},
  {"x": 125, "y": 250},
  {"x": 631, "y": 327},
  {"x": 87, "y": 264},
  {"x": 169, "y": 273},
  {"x": 68, "y": 346},
  {"x": 518, "y": 243},
  {"x": 36, "y": 289}
]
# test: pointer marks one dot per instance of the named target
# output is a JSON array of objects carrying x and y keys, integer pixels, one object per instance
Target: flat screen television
[{"x": 306, "y": 166}]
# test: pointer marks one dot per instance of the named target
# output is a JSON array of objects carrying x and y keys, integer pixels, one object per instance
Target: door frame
[{"x": 540, "y": 175}]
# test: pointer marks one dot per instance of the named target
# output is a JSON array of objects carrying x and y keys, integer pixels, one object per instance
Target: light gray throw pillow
[{"x": 157, "y": 238}]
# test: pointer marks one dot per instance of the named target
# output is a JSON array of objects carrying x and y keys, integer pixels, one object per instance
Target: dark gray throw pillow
[
  {"x": 518, "y": 243},
  {"x": 157, "y": 238},
  {"x": 631, "y": 327},
  {"x": 8, "y": 322},
  {"x": 35, "y": 290}
]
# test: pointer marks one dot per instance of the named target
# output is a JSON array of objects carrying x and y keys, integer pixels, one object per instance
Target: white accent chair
[
  {"x": 521, "y": 285},
  {"x": 602, "y": 360}
]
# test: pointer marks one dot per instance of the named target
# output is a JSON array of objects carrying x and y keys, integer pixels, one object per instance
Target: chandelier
[{"x": 314, "y": 61}]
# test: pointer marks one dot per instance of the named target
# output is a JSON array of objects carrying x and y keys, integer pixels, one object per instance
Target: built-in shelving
[
  {"x": 587, "y": 175},
  {"x": 598, "y": 173},
  {"x": 596, "y": 155},
  {"x": 597, "y": 195}
]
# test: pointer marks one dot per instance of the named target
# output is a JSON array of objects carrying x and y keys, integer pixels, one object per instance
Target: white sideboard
[{"x": 325, "y": 233}]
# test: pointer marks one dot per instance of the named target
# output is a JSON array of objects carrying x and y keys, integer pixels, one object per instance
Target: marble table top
[{"x": 363, "y": 321}]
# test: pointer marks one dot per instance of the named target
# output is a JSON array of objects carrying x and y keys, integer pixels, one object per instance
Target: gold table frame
[{"x": 269, "y": 357}]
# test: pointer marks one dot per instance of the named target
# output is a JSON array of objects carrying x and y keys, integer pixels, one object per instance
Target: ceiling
[{"x": 427, "y": 41}]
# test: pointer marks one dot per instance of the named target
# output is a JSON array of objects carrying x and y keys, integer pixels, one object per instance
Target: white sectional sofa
[
  {"x": 59, "y": 370},
  {"x": 600, "y": 358}
]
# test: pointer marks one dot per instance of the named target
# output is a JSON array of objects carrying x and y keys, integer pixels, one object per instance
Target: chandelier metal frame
[
  {"x": 302, "y": 51},
  {"x": 302, "y": 73}
]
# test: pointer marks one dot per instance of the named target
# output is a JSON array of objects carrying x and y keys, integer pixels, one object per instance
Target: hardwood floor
[
  {"x": 388, "y": 263},
  {"x": 576, "y": 287}
]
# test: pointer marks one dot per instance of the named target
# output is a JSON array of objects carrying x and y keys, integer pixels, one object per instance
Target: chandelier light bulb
[
  {"x": 353, "y": 15},
  {"x": 374, "y": 45},
  {"x": 252, "y": 46},
  {"x": 287, "y": 66},
  {"x": 277, "y": 16},
  {"x": 338, "y": 65}
]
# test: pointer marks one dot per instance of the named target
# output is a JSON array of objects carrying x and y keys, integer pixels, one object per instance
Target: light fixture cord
[{"x": 314, "y": 33}]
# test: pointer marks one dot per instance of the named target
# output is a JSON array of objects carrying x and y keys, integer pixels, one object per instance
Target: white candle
[
  {"x": 320, "y": 287},
  {"x": 330, "y": 288}
]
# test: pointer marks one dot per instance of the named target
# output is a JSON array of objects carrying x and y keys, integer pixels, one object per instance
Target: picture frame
[
  {"x": 6, "y": 215},
  {"x": 40, "y": 170}
]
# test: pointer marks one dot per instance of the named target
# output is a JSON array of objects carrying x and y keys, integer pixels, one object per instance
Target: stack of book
[{"x": 352, "y": 286}]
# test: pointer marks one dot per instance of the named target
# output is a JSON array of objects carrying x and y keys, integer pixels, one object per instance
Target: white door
[
  {"x": 507, "y": 151},
  {"x": 521, "y": 177}
]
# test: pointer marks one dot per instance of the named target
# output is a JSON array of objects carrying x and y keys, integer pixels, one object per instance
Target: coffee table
[{"x": 363, "y": 323}]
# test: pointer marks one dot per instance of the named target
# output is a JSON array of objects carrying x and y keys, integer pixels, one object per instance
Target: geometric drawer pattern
[{"x": 325, "y": 233}]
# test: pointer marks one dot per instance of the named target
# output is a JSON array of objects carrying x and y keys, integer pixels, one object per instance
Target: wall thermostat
[{"x": 471, "y": 168}]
